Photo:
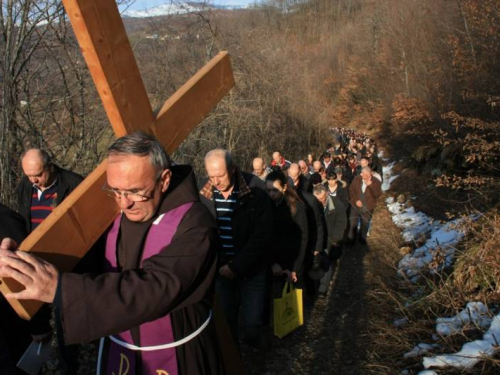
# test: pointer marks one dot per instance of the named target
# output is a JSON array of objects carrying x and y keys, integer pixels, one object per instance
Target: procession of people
[{"x": 146, "y": 290}]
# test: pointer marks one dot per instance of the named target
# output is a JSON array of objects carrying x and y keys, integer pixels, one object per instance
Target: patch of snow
[
  {"x": 427, "y": 372},
  {"x": 388, "y": 177},
  {"x": 167, "y": 9},
  {"x": 475, "y": 313},
  {"x": 441, "y": 242},
  {"x": 443, "y": 237},
  {"x": 420, "y": 350},
  {"x": 471, "y": 353},
  {"x": 183, "y": 7},
  {"x": 414, "y": 224},
  {"x": 381, "y": 156}
]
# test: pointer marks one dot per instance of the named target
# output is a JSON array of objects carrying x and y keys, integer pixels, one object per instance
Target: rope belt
[{"x": 164, "y": 346}]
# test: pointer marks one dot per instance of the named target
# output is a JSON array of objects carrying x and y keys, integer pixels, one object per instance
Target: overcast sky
[{"x": 147, "y": 4}]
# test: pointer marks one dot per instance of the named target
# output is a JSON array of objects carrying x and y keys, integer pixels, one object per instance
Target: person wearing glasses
[{"x": 151, "y": 300}]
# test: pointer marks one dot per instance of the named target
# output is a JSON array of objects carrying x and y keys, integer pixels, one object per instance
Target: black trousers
[{"x": 14, "y": 339}]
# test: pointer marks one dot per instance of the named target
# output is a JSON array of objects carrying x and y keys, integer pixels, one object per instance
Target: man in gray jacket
[{"x": 335, "y": 225}]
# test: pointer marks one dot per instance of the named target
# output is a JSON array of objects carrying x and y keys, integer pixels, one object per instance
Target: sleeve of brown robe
[{"x": 97, "y": 305}]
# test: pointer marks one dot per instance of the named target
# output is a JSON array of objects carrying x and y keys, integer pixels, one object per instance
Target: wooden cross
[{"x": 74, "y": 226}]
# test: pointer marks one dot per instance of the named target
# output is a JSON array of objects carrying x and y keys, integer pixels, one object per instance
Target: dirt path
[
  {"x": 345, "y": 332},
  {"x": 339, "y": 333}
]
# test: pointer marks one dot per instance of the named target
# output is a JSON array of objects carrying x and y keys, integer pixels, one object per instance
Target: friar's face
[{"x": 137, "y": 186}]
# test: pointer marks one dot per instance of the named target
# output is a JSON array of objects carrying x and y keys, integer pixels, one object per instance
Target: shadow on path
[{"x": 331, "y": 340}]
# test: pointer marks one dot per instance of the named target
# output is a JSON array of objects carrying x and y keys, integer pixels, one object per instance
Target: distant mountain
[{"x": 175, "y": 8}]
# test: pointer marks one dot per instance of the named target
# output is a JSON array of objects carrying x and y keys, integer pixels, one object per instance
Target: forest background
[{"x": 421, "y": 76}]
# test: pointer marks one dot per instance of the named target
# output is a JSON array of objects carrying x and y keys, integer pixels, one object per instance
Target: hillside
[{"x": 419, "y": 77}]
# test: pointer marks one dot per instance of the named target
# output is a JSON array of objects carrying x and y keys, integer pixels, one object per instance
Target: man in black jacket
[
  {"x": 242, "y": 208},
  {"x": 299, "y": 181},
  {"x": 43, "y": 187},
  {"x": 336, "y": 223}
]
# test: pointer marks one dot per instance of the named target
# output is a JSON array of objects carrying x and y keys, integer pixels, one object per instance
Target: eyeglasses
[{"x": 131, "y": 196}]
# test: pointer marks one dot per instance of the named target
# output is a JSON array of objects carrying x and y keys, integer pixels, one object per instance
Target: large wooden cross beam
[{"x": 74, "y": 226}]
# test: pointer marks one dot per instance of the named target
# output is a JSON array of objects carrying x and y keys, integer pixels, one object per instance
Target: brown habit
[{"x": 179, "y": 281}]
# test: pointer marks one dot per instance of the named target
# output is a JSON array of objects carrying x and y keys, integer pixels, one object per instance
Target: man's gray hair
[
  {"x": 223, "y": 154},
  {"x": 320, "y": 188},
  {"x": 366, "y": 169},
  {"x": 142, "y": 144}
]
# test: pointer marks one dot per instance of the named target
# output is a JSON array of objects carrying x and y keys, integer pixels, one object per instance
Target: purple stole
[{"x": 120, "y": 358}]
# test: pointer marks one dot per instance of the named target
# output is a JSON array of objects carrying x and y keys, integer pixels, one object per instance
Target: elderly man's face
[
  {"x": 135, "y": 174},
  {"x": 35, "y": 172},
  {"x": 317, "y": 166},
  {"x": 218, "y": 174},
  {"x": 303, "y": 166},
  {"x": 366, "y": 175},
  {"x": 258, "y": 168},
  {"x": 294, "y": 172}
]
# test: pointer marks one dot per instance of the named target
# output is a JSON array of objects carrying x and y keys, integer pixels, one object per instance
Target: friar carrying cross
[{"x": 74, "y": 226}]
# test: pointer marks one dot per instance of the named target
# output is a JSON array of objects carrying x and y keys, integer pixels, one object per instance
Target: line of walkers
[{"x": 287, "y": 222}]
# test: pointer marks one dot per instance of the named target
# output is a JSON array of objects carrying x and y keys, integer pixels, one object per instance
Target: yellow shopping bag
[{"x": 288, "y": 314}]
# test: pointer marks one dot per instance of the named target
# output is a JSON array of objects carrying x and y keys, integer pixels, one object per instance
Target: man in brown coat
[
  {"x": 363, "y": 194},
  {"x": 151, "y": 299}
]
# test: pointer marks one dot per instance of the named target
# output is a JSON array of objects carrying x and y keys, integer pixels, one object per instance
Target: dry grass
[{"x": 474, "y": 278}]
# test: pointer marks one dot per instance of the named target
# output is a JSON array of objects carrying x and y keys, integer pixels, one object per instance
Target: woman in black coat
[{"x": 289, "y": 230}]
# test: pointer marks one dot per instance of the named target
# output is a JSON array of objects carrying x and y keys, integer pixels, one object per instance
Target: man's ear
[{"x": 165, "y": 178}]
